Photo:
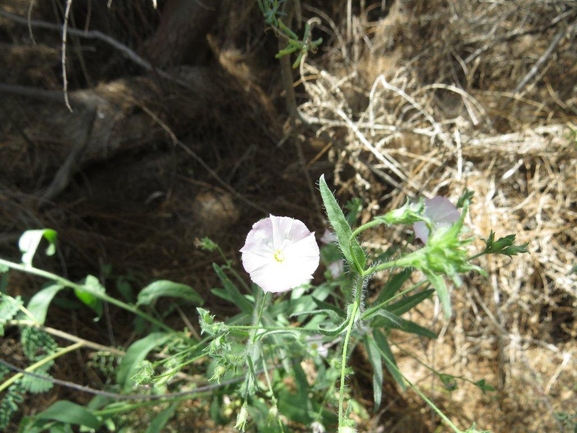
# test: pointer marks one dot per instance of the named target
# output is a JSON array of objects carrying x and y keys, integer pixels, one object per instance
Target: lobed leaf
[{"x": 9, "y": 307}]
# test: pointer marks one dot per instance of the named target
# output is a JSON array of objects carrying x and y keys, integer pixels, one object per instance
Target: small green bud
[
  {"x": 410, "y": 213},
  {"x": 206, "y": 244},
  {"x": 242, "y": 418},
  {"x": 272, "y": 414},
  {"x": 219, "y": 371}
]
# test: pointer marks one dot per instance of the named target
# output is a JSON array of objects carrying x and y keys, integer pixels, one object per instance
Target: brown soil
[{"x": 404, "y": 98}]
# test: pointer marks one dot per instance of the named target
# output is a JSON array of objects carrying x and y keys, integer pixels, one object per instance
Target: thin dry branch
[{"x": 95, "y": 34}]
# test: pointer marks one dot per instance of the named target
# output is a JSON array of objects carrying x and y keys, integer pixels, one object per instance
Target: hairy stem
[{"x": 351, "y": 324}]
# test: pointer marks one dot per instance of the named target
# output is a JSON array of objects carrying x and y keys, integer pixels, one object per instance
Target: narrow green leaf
[
  {"x": 351, "y": 249},
  {"x": 387, "y": 354},
  {"x": 386, "y": 319},
  {"x": 375, "y": 360},
  {"x": 70, "y": 413},
  {"x": 393, "y": 285},
  {"x": 389, "y": 320},
  {"x": 401, "y": 307},
  {"x": 30, "y": 240},
  {"x": 413, "y": 328},
  {"x": 438, "y": 282},
  {"x": 159, "y": 422},
  {"x": 40, "y": 302},
  {"x": 326, "y": 306},
  {"x": 232, "y": 291},
  {"x": 162, "y": 288},
  {"x": 135, "y": 354}
]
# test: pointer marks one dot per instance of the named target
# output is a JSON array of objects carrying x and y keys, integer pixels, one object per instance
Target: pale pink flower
[
  {"x": 336, "y": 268},
  {"x": 329, "y": 238},
  {"x": 441, "y": 212},
  {"x": 280, "y": 253}
]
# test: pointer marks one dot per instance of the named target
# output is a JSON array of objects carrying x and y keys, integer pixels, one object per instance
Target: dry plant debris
[{"x": 408, "y": 98}]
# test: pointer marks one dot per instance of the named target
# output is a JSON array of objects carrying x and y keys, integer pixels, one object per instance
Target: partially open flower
[
  {"x": 441, "y": 213},
  {"x": 280, "y": 253}
]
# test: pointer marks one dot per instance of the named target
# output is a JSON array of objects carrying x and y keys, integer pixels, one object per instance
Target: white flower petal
[{"x": 280, "y": 253}]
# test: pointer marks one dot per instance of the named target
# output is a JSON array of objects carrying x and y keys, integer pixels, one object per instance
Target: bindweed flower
[
  {"x": 331, "y": 255},
  {"x": 329, "y": 237},
  {"x": 440, "y": 212},
  {"x": 336, "y": 268},
  {"x": 280, "y": 253}
]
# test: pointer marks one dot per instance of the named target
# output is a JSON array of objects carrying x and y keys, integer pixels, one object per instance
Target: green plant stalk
[
  {"x": 40, "y": 363},
  {"x": 364, "y": 227},
  {"x": 129, "y": 407},
  {"x": 403, "y": 262},
  {"x": 429, "y": 402},
  {"x": 351, "y": 324},
  {"x": 102, "y": 296}
]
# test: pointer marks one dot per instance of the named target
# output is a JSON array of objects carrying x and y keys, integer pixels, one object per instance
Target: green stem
[
  {"x": 102, "y": 296},
  {"x": 403, "y": 262},
  {"x": 40, "y": 363},
  {"x": 429, "y": 402},
  {"x": 351, "y": 324},
  {"x": 364, "y": 227},
  {"x": 119, "y": 408}
]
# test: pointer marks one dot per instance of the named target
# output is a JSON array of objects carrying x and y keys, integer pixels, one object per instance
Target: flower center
[{"x": 278, "y": 256}]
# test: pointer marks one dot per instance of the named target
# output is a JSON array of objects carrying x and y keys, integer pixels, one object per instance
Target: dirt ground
[{"x": 403, "y": 98}]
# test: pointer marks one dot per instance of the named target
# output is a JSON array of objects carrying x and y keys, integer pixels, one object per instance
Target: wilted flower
[
  {"x": 280, "y": 253},
  {"x": 440, "y": 212}
]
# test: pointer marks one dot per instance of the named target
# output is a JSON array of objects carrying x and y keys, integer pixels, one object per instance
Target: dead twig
[
  {"x": 95, "y": 34},
  {"x": 552, "y": 46}
]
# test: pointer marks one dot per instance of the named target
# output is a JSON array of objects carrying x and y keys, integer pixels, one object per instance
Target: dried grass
[{"x": 438, "y": 97}]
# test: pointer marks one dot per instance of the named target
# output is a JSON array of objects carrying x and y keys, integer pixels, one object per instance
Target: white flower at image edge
[{"x": 280, "y": 253}]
